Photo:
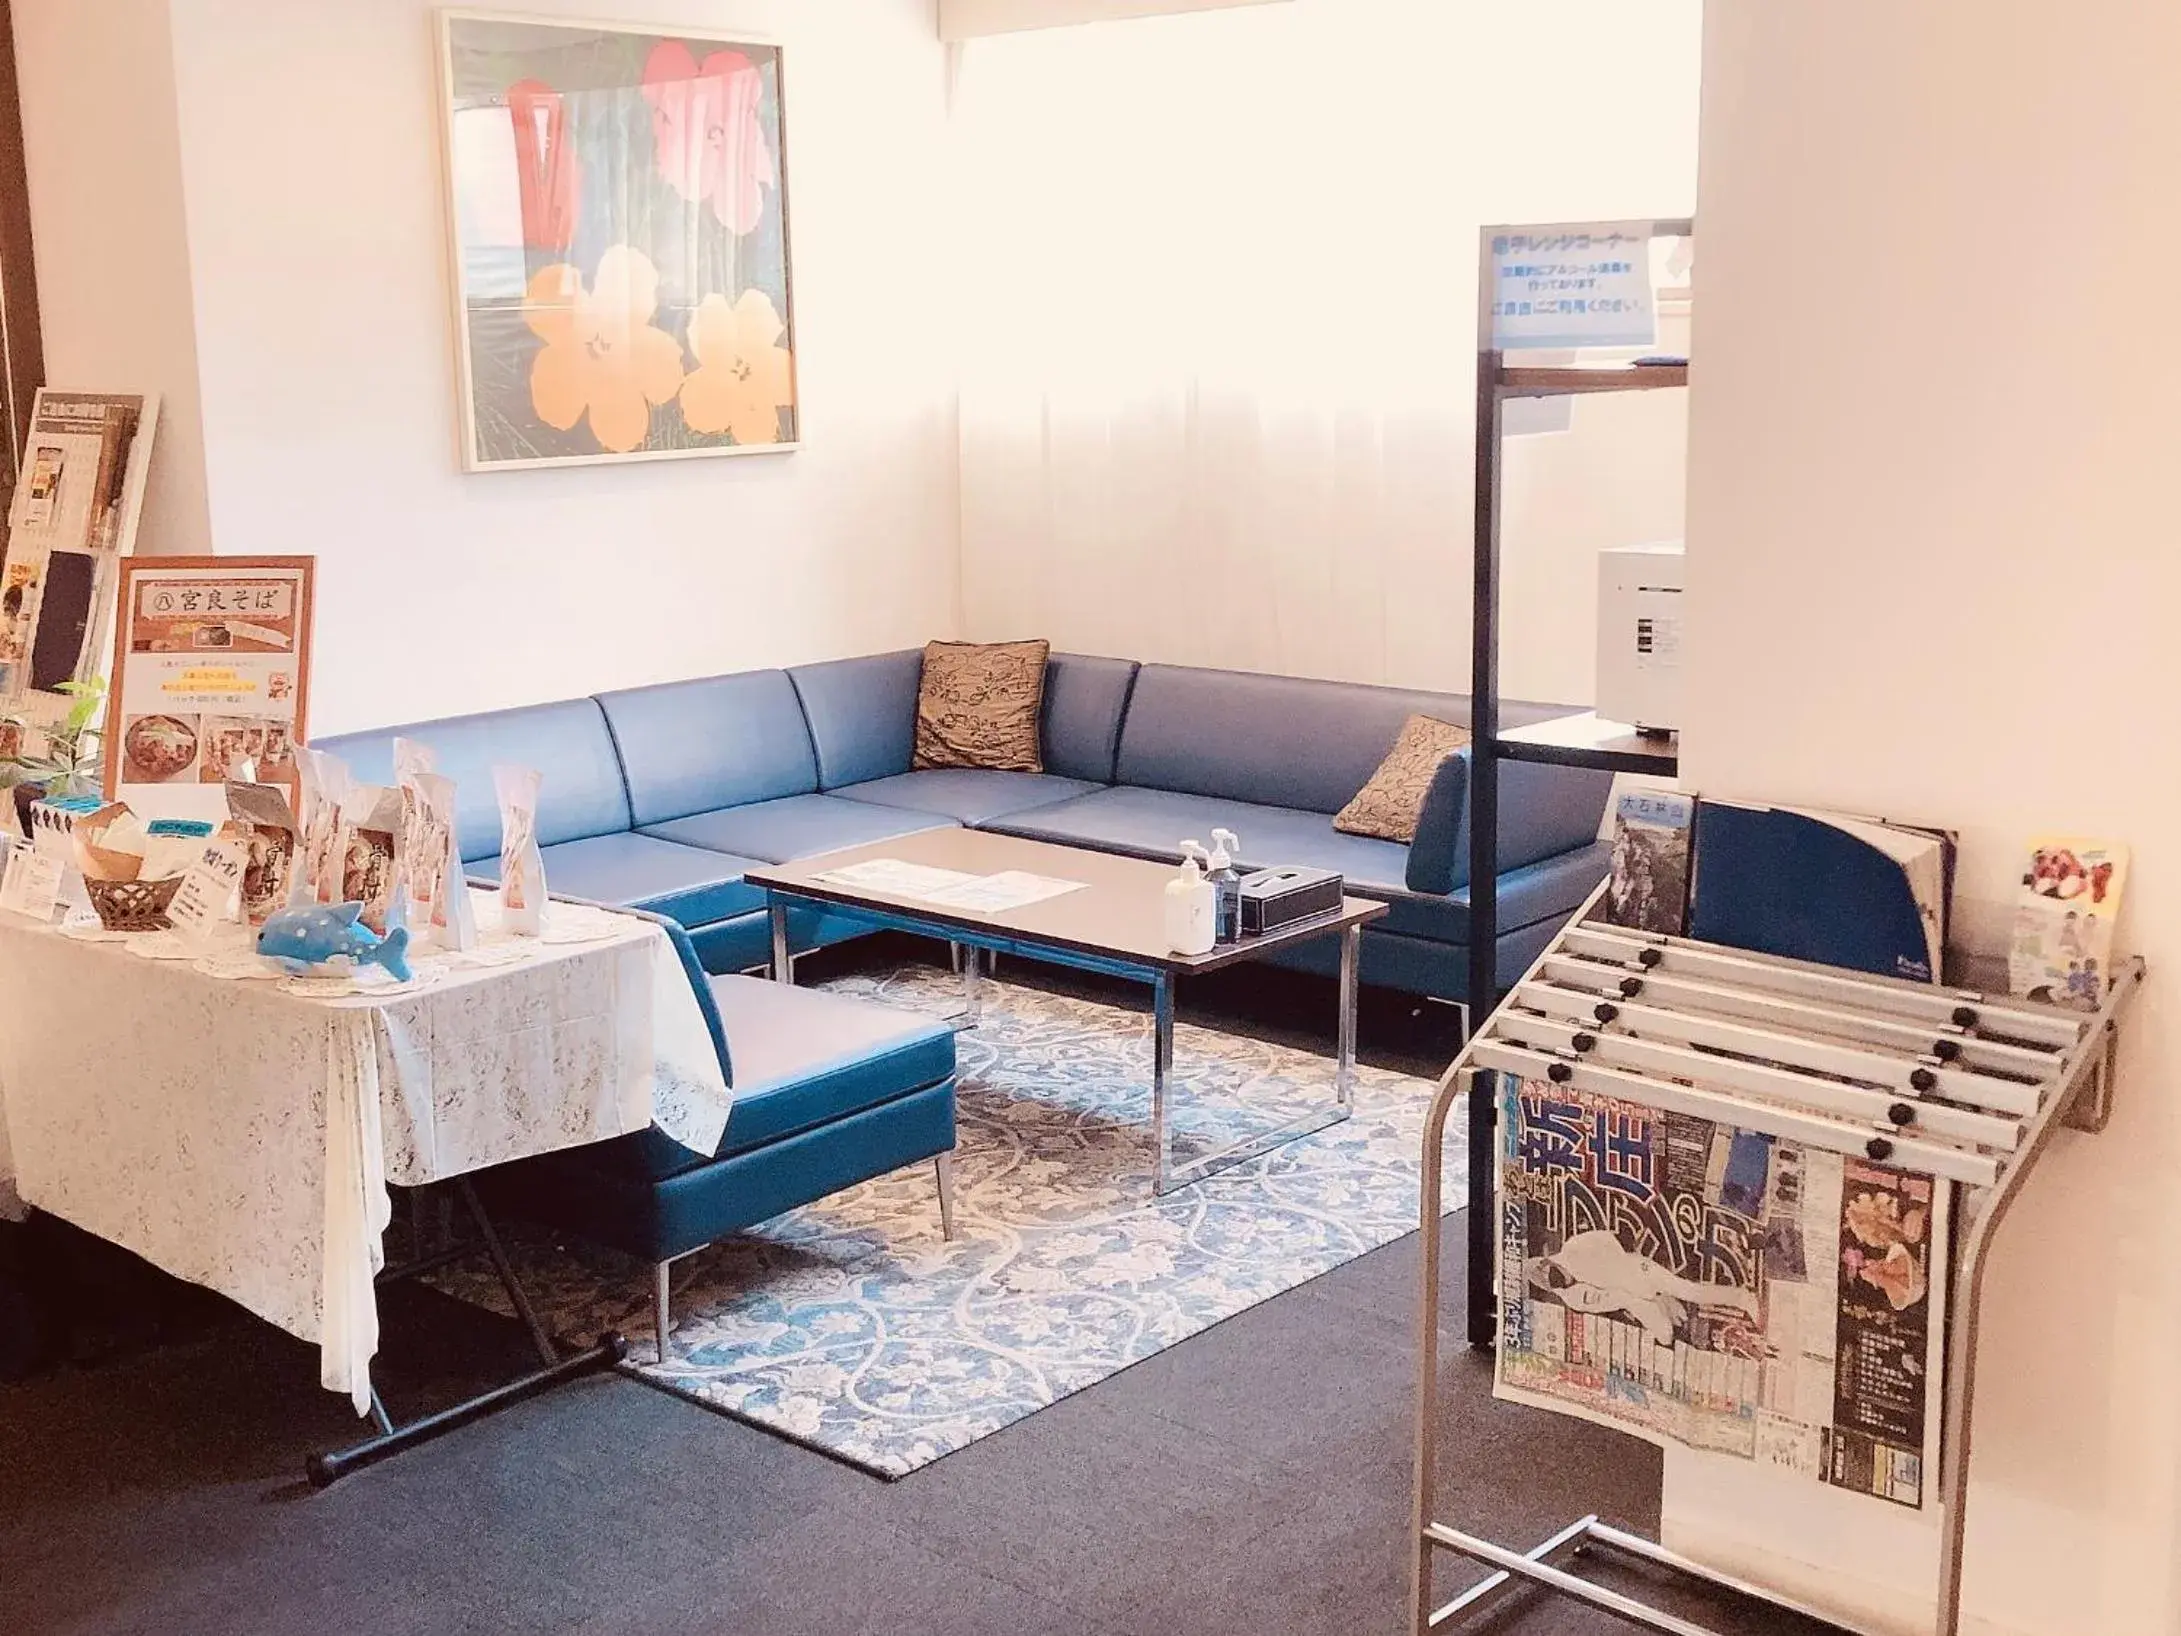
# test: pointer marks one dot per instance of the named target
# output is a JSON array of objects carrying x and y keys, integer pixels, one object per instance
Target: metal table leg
[
  {"x": 783, "y": 962},
  {"x": 324, "y": 1469},
  {"x": 1171, "y": 1176},
  {"x": 972, "y": 985},
  {"x": 1162, "y": 1070},
  {"x": 1344, "y": 1070}
]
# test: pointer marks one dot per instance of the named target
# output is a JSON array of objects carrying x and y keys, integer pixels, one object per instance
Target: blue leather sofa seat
[
  {"x": 794, "y": 826},
  {"x": 685, "y": 883},
  {"x": 828, "y": 1091},
  {"x": 970, "y": 795}
]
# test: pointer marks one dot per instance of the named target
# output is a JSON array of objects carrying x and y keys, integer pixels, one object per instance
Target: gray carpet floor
[{"x": 1253, "y": 1480}]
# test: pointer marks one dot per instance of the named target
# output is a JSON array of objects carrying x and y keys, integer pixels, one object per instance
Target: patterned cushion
[
  {"x": 1389, "y": 805},
  {"x": 978, "y": 706}
]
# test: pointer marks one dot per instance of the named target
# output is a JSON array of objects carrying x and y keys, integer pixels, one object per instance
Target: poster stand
[{"x": 1968, "y": 1088}]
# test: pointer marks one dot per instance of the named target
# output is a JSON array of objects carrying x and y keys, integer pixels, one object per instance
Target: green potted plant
[{"x": 69, "y": 759}]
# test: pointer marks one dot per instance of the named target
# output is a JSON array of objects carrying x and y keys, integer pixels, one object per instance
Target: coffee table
[{"x": 1113, "y": 921}]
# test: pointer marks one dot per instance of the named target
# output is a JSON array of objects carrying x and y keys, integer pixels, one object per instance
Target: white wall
[
  {"x": 1218, "y": 394},
  {"x": 309, "y": 162},
  {"x": 1933, "y": 573},
  {"x": 112, "y": 255},
  {"x": 967, "y": 19}
]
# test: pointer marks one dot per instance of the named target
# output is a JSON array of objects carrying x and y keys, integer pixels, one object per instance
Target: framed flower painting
[{"x": 618, "y": 210}]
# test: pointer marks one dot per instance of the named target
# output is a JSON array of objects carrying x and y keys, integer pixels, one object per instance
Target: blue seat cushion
[
  {"x": 794, "y": 827},
  {"x": 1152, "y": 823},
  {"x": 721, "y": 741},
  {"x": 970, "y": 795},
  {"x": 1149, "y": 823},
  {"x": 569, "y": 743},
  {"x": 802, "y": 1058},
  {"x": 684, "y": 883}
]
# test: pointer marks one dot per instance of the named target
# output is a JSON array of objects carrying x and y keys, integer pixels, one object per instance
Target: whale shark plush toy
[{"x": 303, "y": 939}]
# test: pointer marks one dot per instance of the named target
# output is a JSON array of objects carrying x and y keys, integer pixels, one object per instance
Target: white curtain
[{"x": 1219, "y": 316}]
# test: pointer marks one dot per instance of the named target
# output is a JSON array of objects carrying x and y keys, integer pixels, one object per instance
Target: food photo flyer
[{"x": 211, "y": 674}]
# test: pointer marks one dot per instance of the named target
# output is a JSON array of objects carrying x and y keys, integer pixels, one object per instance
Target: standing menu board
[
  {"x": 73, "y": 519},
  {"x": 212, "y": 669}
]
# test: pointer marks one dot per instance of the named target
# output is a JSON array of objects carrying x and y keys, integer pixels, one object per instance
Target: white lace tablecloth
[{"x": 241, "y": 1133}]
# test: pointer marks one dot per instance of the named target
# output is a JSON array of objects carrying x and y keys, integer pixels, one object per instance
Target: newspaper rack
[{"x": 1968, "y": 1088}]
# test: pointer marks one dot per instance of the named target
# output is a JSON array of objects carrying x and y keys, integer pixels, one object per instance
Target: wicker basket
[{"x": 133, "y": 905}]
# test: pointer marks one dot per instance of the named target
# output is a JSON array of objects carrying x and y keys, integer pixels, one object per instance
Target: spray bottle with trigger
[
  {"x": 1189, "y": 904},
  {"x": 1226, "y": 886}
]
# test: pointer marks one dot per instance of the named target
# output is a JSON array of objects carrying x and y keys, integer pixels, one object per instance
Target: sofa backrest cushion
[
  {"x": 723, "y": 741},
  {"x": 1085, "y": 700},
  {"x": 569, "y": 743},
  {"x": 862, "y": 714},
  {"x": 1281, "y": 741}
]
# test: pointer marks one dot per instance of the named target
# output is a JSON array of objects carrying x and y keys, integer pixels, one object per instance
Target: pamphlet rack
[{"x": 1967, "y": 1088}]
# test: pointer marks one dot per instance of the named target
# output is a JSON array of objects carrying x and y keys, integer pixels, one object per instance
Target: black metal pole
[
  {"x": 325, "y": 1469},
  {"x": 1484, "y": 791}
]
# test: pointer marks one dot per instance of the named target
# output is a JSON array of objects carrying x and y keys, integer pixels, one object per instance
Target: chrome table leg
[
  {"x": 783, "y": 963},
  {"x": 1162, "y": 1071}
]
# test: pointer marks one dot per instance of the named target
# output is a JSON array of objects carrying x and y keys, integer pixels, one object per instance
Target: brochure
[{"x": 2063, "y": 925}]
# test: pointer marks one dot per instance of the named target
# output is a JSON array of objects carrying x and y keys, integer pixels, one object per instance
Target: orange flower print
[
  {"x": 707, "y": 131},
  {"x": 602, "y": 354},
  {"x": 744, "y": 377}
]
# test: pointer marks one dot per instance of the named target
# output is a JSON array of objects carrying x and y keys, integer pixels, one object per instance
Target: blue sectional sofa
[{"x": 661, "y": 797}]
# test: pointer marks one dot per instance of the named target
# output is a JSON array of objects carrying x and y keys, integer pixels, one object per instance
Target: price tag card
[
  {"x": 209, "y": 900},
  {"x": 32, "y": 884}
]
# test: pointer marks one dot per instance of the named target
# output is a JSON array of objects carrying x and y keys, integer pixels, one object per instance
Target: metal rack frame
[
  {"x": 1566, "y": 741},
  {"x": 1986, "y": 1163}
]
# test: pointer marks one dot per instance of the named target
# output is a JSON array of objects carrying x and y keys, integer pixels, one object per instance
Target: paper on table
[
  {"x": 32, "y": 883},
  {"x": 895, "y": 878},
  {"x": 1009, "y": 889}
]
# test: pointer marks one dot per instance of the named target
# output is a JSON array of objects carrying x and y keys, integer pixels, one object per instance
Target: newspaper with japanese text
[{"x": 1722, "y": 1289}]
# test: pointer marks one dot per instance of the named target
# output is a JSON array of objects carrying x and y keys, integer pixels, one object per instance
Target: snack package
[
  {"x": 171, "y": 845},
  {"x": 439, "y": 895},
  {"x": 522, "y": 867},
  {"x": 413, "y": 756},
  {"x": 109, "y": 843},
  {"x": 371, "y": 859},
  {"x": 260, "y": 814},
  {"x": 326, "y": 784}
]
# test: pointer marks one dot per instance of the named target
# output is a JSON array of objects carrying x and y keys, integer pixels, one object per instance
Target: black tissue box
[{"x": 1276, "y": 898}]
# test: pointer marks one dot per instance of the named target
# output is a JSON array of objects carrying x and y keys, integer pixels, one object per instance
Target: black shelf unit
[{"x": 1570, "y": 741}]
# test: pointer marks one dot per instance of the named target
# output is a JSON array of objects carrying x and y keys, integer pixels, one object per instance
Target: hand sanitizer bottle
[
  {"x": 1226, "y": 886},
  {"x": 1189, "y": 908}
]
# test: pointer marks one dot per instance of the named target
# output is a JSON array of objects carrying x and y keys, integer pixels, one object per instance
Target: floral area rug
[{"x": 852, "y": 1326}]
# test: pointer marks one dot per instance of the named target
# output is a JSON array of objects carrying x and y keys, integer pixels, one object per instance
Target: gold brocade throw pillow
[
  {"x": 1389, "y": 805},
  {"x": 978, "y": 706}
]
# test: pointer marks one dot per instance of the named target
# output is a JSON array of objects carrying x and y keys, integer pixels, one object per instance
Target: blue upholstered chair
[{"x": 829, "y": 1091}]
